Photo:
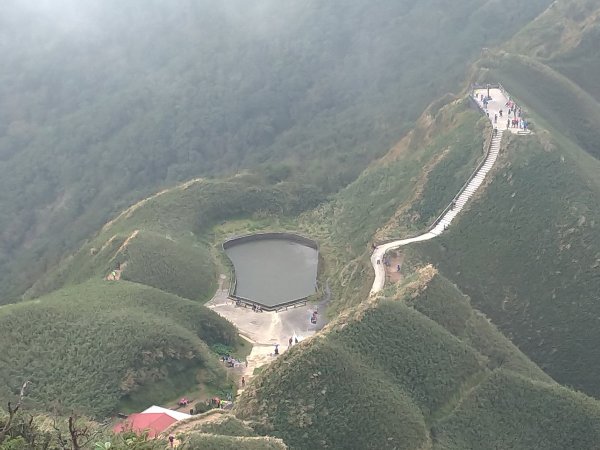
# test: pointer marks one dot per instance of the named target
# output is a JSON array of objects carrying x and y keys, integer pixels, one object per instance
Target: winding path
[{"x": 497, "y": 104}]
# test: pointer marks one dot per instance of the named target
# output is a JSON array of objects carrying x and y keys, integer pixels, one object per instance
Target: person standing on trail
[
  {"x": 507, "y": 123},
  {"x": 495, "y": 118},
  {"x": 378, "y": 261},
  {"x": 290, "y": 342},
  {"x": 500, "y": 113},
  {"x": 171, "y": 440},
  {"x": 243, "y": 382}
]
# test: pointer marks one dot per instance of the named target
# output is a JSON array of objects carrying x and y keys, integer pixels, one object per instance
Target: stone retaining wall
[{"x": 264, "y": 236}]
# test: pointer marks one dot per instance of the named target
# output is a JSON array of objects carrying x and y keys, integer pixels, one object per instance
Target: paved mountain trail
[
  {"x": 266, "y": 329},
  {"x": 497, "y": 111}
]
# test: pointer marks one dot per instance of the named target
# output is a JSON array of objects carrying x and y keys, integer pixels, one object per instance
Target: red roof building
[{"x": 153, "y": 423}]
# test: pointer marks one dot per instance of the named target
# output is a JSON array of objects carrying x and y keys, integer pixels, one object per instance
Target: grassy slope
[
  {"x": 88, "y": 346},
  {"x": 184, "y": 270},
  {"x": 562, "y": 105},
  {"x": 552, "y": 66},
  {"x": 450, "y": 135},
  {"x": 444, "y": 303},
  {"x": 175, "y": 224},
  {"x": 226, "y": 432},
  {"x": 527, "y": 254},
  {"x": 565, "y": 37},
  {"x": 226, "y": 425},
  {"x": 306, "y": 399},
  {"x": 199, "y": 441},
  {"x": 430, "y": 376},
  {"x": 509, "y": 411}
]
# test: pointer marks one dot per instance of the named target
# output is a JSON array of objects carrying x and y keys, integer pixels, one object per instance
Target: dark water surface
[{"x": 274, "y": 271}]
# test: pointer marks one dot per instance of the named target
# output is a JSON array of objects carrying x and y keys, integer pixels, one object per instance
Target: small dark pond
[{"x": 272, "y": 271}]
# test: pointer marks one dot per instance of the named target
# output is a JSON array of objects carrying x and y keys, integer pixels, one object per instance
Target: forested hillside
[{"x": 103, "y": 102}]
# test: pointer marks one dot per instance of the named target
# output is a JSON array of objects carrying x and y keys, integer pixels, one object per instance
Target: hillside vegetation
[
  {"x": 509, "y": 411},
  {"x": 200, "y": 441},
  {"x": 104, "y": 102},
  {"x": 179, "y": 222},
  {"x": 421, "y": 385},
  {"x": 399, "y": 194},
  {"x": 527, "y": 251},
  {"x": 161, "y": 262},
  {"x": 162, "y": 240},
  {"x": 91, "y": 346},
  {"x": 528, "y": 256},
  {"x": 425, "y": 365},
  {"x": 444, "y": 303}
]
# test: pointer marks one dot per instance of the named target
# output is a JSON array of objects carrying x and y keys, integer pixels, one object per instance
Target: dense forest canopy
[{"x": 104, "y": 102}]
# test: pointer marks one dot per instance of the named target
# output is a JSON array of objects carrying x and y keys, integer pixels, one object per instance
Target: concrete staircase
[
  {"x": 261, "y": 355},
  {"x": 459, "y": 203},
  {"x": 445, "y": 219}
]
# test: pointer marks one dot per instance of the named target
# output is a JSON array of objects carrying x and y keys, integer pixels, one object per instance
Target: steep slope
[
  {"x": 527, "y": 255},
  {"x": 448, "y": 142},
  {"x": 222, "y": 431},
  {"x": 162, "y": 240},
  {"x": 504, "y": 412},
  {"x": 400, "y": 194},
  {"x": 444, "y": 303},
  {"x": 527, "y": 252},
  {"x": 553, "y": 65},
  {"x": 91, "y": 346},
  {"x": 565, "y": 38},
  {"x": 199, "y": 441},
  {"x": 163, "y": 263},
  {"x": 434, "y": 380},
  {"x": 104, "y": 102}
]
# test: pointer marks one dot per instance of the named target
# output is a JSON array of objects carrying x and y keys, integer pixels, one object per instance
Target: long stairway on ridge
[
  {"x": 473, "y": 185},
  {"x": 497, "y": 99}
]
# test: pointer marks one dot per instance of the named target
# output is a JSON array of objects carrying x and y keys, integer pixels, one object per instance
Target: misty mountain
[{"x": 103, "y": 103}]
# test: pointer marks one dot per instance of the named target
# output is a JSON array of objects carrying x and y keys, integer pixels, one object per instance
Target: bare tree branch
[
  {"x": 12, "y": 411},
  {"x": 81, "y": 437}
]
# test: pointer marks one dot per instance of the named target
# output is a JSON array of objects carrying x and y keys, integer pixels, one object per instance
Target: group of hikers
[
  {"x": 517, "y": 119},
  {"x": 230, "y": 361},
  {"x": 387, "y": 263},
  {"x": 184, "y": 401},
  {"x": 291, "y": 341}
]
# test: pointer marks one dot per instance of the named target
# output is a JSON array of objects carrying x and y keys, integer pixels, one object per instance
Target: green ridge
[{"x": 91, "y": 345}]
